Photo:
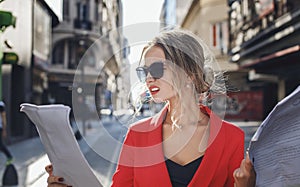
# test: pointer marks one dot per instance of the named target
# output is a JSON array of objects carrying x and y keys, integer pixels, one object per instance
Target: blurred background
[{"x": 43, "y": 42}]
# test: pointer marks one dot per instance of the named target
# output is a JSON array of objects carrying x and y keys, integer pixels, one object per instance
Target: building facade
[
  {"x": 87, "y": 56},
  {"x": 31, "y": 40},
  {"x": 68, "y": 58},
  {"x": 256, "y": 43},
  {"x": 264, "y": 39},
  {"x": 208, "y": 19}
]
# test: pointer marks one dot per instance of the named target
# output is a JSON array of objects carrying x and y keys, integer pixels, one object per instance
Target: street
[{"x": 30, "y": 158}]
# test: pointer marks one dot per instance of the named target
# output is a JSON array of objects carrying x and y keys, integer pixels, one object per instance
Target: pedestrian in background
[
  {"x": 3, "y": 133},
  {"x": 185, "y": 144}
]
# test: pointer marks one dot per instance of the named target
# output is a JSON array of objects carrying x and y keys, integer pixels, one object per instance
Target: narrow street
[{"x": 30, "y": 158}]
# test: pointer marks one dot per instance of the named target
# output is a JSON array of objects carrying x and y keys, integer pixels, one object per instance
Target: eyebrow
[{"x": 164, "y": 62}]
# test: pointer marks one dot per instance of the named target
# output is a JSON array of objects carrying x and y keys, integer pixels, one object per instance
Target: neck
[
  {"x": 180, "y": 116},
  {"x": 174, "y": 109}
]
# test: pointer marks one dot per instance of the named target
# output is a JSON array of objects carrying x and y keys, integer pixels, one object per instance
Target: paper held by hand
[
  {"x": 275, "y": 147},
  {"x": 52, "y": 122}
]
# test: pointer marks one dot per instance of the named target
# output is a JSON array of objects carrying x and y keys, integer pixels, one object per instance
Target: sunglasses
[{"x": 156, "y": 70}]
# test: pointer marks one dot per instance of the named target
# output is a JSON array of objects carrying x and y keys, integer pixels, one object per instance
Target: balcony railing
[{"x": 83, "y": 24}]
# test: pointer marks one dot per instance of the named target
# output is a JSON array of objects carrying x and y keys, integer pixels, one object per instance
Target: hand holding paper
[{"x": 52, "y": 122}]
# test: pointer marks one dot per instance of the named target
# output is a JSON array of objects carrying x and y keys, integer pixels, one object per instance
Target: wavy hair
[{"x": 189, "y": 56}]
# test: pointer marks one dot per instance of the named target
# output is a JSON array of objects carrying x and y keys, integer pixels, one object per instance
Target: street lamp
[{"x": 81, "y": 90}]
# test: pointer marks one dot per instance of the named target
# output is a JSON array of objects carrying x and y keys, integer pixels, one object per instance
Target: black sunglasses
[{"x": 156, "y": 70}]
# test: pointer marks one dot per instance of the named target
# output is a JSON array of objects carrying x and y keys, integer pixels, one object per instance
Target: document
[
  {"x": 275, "y": 147},
  {"x": 52, "y": 122}
]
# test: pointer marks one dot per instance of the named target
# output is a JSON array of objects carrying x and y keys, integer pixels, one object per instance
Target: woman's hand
[
  {"x": 54, "y": 181},
  {"x": 245, "y": 176}
]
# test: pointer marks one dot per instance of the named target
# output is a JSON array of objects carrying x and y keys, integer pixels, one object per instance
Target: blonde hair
[{"x": 188, "y": 54}]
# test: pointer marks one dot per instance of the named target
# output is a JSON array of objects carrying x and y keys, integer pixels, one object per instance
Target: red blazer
[{"x": 141, "y": 161}]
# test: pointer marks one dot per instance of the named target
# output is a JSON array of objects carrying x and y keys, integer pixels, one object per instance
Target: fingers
[
  {"x": 244, "y": 170},
  {"x": 58, "y": 185},
  {"x": 49, "y": 169},
  {"x": 244, "y": 176},
  {"x": 54, "y": 181},
  {"x": 248, "y": 161},
  {"x": 238, "y": 174},
  {"x": 246, "y": 164}
]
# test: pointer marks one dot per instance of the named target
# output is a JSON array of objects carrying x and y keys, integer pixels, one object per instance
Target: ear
[{"x": 190, "y": 79}]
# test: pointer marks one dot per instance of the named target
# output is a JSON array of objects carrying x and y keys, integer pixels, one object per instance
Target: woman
[{"x": 185, "y": 144}]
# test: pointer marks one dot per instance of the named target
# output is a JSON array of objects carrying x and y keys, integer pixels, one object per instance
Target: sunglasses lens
[
  {"x": 156, "y": 70},
  {"x": 141, "y": 73}
]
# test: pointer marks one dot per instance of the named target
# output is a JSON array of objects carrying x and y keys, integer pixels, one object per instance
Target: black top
[{"x": 182, "y": 175}]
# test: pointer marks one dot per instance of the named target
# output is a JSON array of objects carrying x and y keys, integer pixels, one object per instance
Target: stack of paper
[
  {"x": 275, "y": 147},
  {"x": 52, "y": 122}
]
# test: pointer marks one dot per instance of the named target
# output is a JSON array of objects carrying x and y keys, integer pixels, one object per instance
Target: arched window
[{"x": 69, "y": 52}]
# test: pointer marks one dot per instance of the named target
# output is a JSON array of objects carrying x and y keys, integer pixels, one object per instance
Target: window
[
  {"x": 58, "y": 54},
  {"x": 83, "y": 10},
  {"x": 219, "y": 36},
  {"x": 66, "y": 10},
  {"x": 98, "y": 7}
]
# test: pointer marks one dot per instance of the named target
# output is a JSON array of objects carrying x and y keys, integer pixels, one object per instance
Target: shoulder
[
  {"x": 232, "y": 130},
  {"x": 142, "y": 128},
  {"x": 232, "y": 127},
  {"x": 226, "y": 127},
  {"x": 145, "y": 132},
  {"x": 149, "y": 124},
  {"x": 141, "y": 125}
]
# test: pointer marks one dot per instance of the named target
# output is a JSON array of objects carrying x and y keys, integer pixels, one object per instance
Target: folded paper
[
  {"x": 275, "y": 147},
  {"x": 52, "y": 122}
]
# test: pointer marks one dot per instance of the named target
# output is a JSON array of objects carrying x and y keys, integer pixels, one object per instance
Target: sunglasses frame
[{"x": 156, "y": 70}]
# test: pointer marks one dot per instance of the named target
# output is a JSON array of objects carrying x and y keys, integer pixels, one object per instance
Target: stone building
[
  {"x": 87, "y": 55},
  {"x": 31, "y": 41}
]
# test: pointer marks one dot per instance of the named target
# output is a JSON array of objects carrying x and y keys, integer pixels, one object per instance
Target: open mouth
[{"x": 154, "y": 90}]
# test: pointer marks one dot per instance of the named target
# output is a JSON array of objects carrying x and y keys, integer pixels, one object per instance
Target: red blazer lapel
[
  {"x": 158, "y": 119},
  {"x": 161, "y": 169},
  {"x": 213, "y": 154},
  {"x": 210, "y": 162},
  {"x": 157, "y": 174}
]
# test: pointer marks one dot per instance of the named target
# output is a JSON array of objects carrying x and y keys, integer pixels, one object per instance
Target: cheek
[
  {"x": 167, "y": 91},
  {"x": 168, "y": 83},
  {"x": 171, "y": 90}
]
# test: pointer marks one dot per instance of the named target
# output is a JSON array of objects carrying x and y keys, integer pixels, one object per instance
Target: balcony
[{"x": 83, "y": 24}]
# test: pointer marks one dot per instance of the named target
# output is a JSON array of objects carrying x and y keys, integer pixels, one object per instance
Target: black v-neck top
[{"x": 180, "y": 175}]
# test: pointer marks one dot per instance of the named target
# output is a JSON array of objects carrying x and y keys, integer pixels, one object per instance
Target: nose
[{"x": 149, "y": 78}]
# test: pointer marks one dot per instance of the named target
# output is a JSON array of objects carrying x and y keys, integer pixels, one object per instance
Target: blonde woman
[{"x": 186, "y": 143}]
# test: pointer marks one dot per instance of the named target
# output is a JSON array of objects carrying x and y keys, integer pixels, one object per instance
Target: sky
[
  {"x": 139, "y": 11},
  {"x": 56, "y": 6},
  {"x": 134, "y": 12}
]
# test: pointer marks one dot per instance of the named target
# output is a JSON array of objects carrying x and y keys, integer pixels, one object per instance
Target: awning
[{"x": 285, "y": 62}]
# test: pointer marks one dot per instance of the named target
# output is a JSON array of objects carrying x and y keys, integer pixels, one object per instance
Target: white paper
[
  {"x": 275, "y": 147},
  {"x": 52, "y": 122}
]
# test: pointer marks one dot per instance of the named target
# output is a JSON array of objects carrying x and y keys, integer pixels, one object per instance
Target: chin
[{"x": 158, "y": 100}]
